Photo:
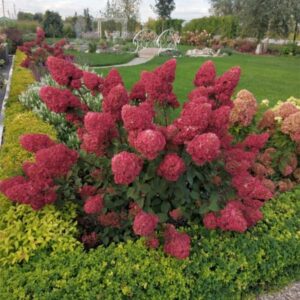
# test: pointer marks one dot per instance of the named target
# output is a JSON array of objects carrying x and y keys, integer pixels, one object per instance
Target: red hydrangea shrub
[
  {"x": 136, "y": 171},
  {"x": 38, "y": 51},
  {"x": 38, "y": 186}
]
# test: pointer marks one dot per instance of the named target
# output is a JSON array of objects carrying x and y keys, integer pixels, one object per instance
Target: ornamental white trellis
[
  {"x": 123, "y": 22},
  {"x": 146, "y": 38}
]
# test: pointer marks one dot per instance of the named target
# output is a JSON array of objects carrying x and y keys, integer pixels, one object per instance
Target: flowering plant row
[
  {"x": 137, "y": 173},
  {"x": 37, "y": 52}
]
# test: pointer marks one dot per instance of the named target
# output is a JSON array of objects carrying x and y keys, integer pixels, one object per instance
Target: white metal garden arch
[{"x": 123, "y": 21}]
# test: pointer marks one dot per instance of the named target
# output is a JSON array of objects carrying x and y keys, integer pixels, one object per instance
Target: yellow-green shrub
[{"x": 22, "y": 230}]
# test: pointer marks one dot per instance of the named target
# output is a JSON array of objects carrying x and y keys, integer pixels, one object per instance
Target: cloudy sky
[{"x": 185, "y": 9}]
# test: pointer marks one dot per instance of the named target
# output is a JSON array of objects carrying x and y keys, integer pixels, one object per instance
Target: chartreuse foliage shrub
[
  {"x": 221, "y": 266},
  {"x": 118, "y": 272},
  {"x": 231, "y": 266},
  {"x": 22, "y": 230}
]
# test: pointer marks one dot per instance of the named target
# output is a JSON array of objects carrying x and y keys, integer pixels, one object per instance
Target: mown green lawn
[
  {"x": 268, "y": 77},
  {"x": 103, "y": 59}
]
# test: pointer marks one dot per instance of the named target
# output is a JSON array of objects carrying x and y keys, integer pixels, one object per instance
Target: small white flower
[
  {"x": 265, "y": 102},
  {"x": 278, "y": 119}
]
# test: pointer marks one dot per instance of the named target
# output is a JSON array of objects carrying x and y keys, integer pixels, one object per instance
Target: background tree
[
  {"x": 295, "y": 12},
  {"x": 38, "y": 17},
  {"x": 164, "y": 8},
  {"x": 24, "y": 16},
  {"x": 258, "y": 18},
  {"x": 53, "y": 24},
  {"x": 128, "y": 9},
  {"x": 88, "y": 20}
]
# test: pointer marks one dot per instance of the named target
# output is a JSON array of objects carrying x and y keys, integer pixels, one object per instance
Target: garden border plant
[
  {"x": 45, "y": 229},
  {"x": 238, "y": 270}
]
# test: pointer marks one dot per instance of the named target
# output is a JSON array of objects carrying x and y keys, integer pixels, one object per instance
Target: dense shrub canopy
[{"x": 133, "y": 171}]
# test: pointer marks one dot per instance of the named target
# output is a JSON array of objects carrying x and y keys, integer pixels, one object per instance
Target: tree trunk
[{"x": 295, "y": 32}]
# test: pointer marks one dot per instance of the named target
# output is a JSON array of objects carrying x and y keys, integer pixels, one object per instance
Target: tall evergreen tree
[
  {"x": 88, "y": 20},
  {"x": 164, "y": 8},
  {"x": 53, "y": 24}
]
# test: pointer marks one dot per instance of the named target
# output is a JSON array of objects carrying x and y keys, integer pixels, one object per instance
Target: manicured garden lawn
[
  {"x": 103, "y": 59},
  {"x": 274, "y": 78}
]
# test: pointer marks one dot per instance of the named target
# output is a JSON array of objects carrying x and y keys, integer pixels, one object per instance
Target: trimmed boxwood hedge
[{"x": 222, "y": 265}]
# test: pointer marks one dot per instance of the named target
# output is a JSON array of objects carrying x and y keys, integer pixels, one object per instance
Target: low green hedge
[{"x": 221, "y": 266}]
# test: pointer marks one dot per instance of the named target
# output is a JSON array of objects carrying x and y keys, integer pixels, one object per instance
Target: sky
[{"x": 185, "y": 9}]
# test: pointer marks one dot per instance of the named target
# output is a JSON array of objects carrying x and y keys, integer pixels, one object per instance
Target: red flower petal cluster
[
  {"x": 236, "y": 216},
  {"x": 152, "y": 243},
  {"x": 194, "y": 120},
  {"x": 244, "y": 109},
  {"x": 110, "y": 219},
  {"x": 225, "y": 85},
  {"x": 150, "y": 143},
  {"x": 90, "y": 240},
  {"x": 177, "y": 244},
  {"x": 115, "y": 100},
  {"x": 134, "y": 209},
  {"x": 167, "y": 71},
  {"x": 172, "y": 167},
  {"x": 112, "y": 80},
  {"x": 176, "y": 214},
  {"x": 40, "y": 35},
  {"x": 93, "y": 204},
  {"x": 137, "y": 117},
  {"x": 100, "y": 130},
  {"x": 57, "y": 160},
  {"x": 249, "y": 187},
  {"x": 145, "y": 223},
  {"x": 126, "y": 167},
  {"x": 210, "y": 221},
  {"x": 35, "y": 142},
  {"x": 158, "y": 84},
  {"x": 39, "y": 189},
  {"x": 206, "y": 75},
  {"x": 138, "y": 92},
  {"x": 286, "y": 109},
  {"x": 64, "y": 72},
  {"x": 87, "y": 191},
  {"x": 5, "y": 184},
  {"x": 237, "y": 160},
  {"x": 256, "y": 142},
  {"x": 93, "y": 82},
  {"x": 291, "y": 126},
  {"x": 57, "y": 100},
  {"x": 204, "y": 148},
  {"x": 219, "y": 121}
]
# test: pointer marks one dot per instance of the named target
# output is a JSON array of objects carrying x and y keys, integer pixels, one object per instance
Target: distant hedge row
[{"x": 226, "y": 26}]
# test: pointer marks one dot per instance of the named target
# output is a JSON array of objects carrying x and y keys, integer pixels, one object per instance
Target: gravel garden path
[
  {"x": 136, "y": 61},
  {"x": 144, "y": 56},
  {"x": 291, "y": 292}
]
